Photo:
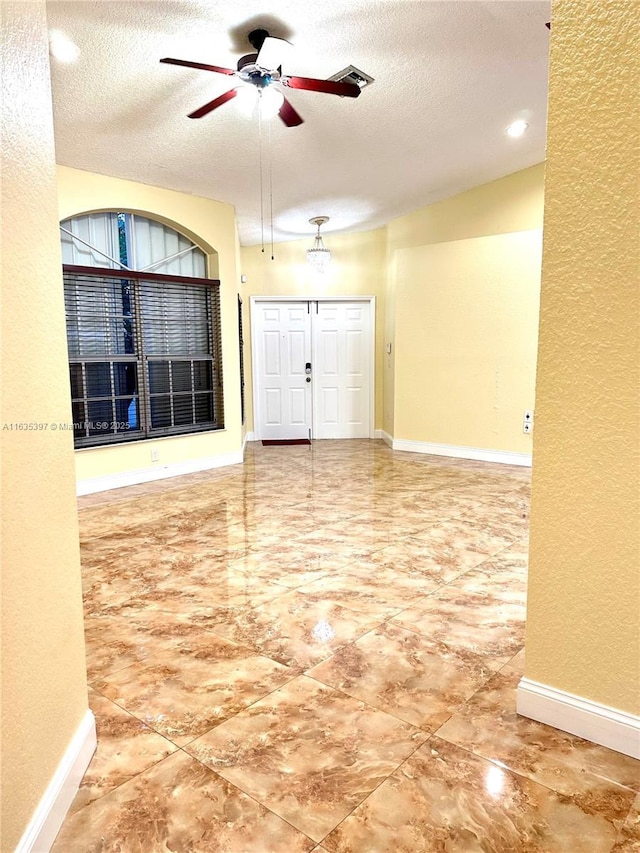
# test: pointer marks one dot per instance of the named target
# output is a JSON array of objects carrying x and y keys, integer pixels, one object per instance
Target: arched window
[
  {"x": 143, "y": 330},
  {"x": 127, "y": 240}
]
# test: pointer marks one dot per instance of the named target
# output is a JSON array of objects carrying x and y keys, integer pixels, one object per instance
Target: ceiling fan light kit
[
  {"x": 319, "y": 257},
  {"x": 268, "y": 101}
]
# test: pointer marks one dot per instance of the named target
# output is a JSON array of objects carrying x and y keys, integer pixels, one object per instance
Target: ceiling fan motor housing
[
  {"x": 249, "y": 59},
  {"x": 251, "y": 73}
]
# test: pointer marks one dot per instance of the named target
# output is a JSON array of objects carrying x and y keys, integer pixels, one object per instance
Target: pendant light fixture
[{"x": 318, "y": 256}]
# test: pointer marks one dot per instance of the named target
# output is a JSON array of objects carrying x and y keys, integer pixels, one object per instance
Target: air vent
[{"x": 351, "y": 74}]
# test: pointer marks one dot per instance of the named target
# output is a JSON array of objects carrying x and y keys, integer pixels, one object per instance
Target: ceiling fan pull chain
[
  {"x": 269, "y": 143},
  {"x": 261, "y": 180}
]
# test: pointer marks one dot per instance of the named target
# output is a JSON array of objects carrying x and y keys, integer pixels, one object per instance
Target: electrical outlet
[
  {"x": 527, "y": 421},
  {"x": 155, "y": 455},
  {"x": 527, "y": 427}
]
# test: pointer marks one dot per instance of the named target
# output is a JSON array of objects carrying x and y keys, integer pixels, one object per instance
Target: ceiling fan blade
[
  {"x": 200, "y": 65},
  {"x": 273, "y": 53},
  {"x": 331, "y": 87},
  {"x": 288, "y": 115},
  {"x": 214, "y": 104}
]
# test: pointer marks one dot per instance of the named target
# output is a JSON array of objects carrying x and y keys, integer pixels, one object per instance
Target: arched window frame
[{"x": 144, "y": 347}]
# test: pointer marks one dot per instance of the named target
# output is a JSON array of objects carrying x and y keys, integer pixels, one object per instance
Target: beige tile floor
[{"x": 319, "y": 650}]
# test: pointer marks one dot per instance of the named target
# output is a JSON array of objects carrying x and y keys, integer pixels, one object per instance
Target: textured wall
[
  {"x": 44, "y": 694},
  {"x": 357, "y": 269},
  {"x": 212, "y": 225},
  {"x": 583, "y": 631}
]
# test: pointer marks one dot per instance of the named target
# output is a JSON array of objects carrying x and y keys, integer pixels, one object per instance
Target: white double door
[{"x": 312, "y": 365}]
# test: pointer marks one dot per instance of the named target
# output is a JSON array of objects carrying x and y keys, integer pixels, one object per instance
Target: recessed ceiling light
[
  {"x": 517, "y": 128},
  {"x": 62, "y": 48}
]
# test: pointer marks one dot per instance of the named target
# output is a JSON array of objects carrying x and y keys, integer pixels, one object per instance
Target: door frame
[{"x": 371, "y": 300}]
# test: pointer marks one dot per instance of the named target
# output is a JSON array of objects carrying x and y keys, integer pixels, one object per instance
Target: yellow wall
[
  {"x": 466, "y": 337},
  {"x": 584, "y": 580},
  {"x": 513, "y": 203},
  {"x": 366, "y": 263},
  {"x": 462, "y": 314},
  {"x": 357, "y": 269},
  {"x": 44, "y": 693},
  {"x": 212, "y": 225}
]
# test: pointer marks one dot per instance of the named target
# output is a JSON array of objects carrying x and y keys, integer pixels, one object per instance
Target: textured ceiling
[{"x": 449, "y": 77}]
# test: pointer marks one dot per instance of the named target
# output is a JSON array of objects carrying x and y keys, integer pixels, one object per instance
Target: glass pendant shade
[
  {"x": 246, "y": 99},
  {"x": 270, "y": 102}
]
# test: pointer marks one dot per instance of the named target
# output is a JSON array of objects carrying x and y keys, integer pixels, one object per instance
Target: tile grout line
[{"x": 371, "y": 793}]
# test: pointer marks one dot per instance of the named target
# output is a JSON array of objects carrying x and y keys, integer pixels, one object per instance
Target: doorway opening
[{"x": 313, "y": 367}]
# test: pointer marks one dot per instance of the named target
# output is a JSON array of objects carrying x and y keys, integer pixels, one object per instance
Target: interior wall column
[
  {"x": 582, "y": 668},
  {"x": 48, "y": 733}
]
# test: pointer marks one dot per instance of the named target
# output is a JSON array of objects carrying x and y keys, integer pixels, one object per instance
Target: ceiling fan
[{"x": 262, "y": 69}]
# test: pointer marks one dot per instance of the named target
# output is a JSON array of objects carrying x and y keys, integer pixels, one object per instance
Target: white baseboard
[
  {"x": 589, "y": 720},
  {"x": 52, "y": 809},
  {"x": 503, "y": 456},
  {"x": 388, "y": 439},
  {"x": 481, "y": 454},
  {"x": 161, "y": 472}
]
